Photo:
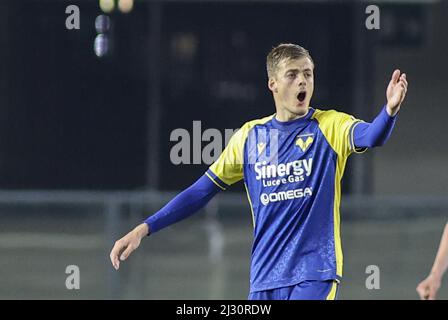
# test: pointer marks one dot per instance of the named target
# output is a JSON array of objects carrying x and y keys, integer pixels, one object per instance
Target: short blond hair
[{"x": 284, "y": 51}]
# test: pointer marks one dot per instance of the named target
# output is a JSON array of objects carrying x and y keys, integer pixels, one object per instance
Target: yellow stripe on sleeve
[{"x": 208, "y": 175}]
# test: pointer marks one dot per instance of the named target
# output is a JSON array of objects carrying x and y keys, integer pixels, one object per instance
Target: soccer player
[
  {"x": 427, "y": 289},
  {"x": 292, "y": 164}
]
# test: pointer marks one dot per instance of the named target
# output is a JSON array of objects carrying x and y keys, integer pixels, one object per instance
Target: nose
[{"x": 301, "y": 80}]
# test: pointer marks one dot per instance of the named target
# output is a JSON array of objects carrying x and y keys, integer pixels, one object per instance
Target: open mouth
[{"x": 301, "y": 96}]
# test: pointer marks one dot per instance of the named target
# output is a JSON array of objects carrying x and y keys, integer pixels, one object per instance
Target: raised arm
[
  {"x": 369, "y": 135},
  {"x": 375, "y": 134},
  {"x": 182, "y": 206}
]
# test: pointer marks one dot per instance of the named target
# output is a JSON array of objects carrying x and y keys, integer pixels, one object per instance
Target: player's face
[{"x": 293, "y": 86}]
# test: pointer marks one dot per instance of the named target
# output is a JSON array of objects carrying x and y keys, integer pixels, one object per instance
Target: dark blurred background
[{"x": 85, "y": 133}]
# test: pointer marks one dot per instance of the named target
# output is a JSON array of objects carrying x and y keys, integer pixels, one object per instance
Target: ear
[{"x": 272, "y": 85}]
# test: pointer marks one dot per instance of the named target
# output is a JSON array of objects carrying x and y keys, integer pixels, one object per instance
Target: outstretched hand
[
  {"x": 126, "y": 245},
  {"x": 396, "y": 91}
]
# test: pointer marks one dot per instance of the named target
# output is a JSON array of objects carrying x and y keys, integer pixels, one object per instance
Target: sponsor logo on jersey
[{"x": 267, "y": 198}]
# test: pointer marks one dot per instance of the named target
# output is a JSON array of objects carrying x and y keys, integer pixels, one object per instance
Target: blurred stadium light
[
  {"x": 103, "y": 41},
  {"x": 107, "y": 5},
  {"x": 125, "y": 6}
]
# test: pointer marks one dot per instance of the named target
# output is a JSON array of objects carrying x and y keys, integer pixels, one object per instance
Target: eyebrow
[{"x": 297, "y": 70}]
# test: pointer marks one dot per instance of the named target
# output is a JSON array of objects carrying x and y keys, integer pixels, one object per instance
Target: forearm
[
  {"x": 441, "y": 262},
  {"x": 184, "y": 204},
  {"x": 369, "y": 135}
]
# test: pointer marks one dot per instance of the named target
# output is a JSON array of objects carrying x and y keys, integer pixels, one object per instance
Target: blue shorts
[{"x": 306, "y": 290}]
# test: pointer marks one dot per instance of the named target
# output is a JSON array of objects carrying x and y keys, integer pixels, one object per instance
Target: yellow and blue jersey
[{"x": 292, "y": 172}]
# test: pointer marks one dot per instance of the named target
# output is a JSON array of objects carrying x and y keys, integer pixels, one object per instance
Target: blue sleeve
[
  {"x": 375, "y": 134},
  {"x": 184, "y": 204}
]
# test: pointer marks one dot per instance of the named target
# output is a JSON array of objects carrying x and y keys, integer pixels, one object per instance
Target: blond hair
[{"x": 284, "y": 51}]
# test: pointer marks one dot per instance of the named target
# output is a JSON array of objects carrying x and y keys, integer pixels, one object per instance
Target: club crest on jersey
[{"x": 304, "y": 141}]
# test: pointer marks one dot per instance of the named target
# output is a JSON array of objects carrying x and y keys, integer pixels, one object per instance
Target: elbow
[{"x": 378, "y": 142}]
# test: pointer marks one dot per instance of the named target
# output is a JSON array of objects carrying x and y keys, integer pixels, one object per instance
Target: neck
[{"x": 285, "y": 115}]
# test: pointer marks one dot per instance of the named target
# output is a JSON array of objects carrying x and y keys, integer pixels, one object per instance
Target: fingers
[
  {"x": 126, "y": 253},
  {"x": 420, "y": 293},
  {"x": 399, "y": 81},
  {"x": 403, "y": 79},
  {"x": 423, "y": 291},
  {"x": 395, "y": 76},
  {"x": 432, "y": 293},
  {"x": 118, "y": 247},
  {"x": 123, "y": 248},
  {"x": 403, "y": 85},
  {"x": 427, "y": 291},
  {"x": 114, "y": 257}
]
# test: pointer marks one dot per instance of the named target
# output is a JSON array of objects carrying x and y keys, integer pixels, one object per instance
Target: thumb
[
  {"x": 395, "y": 76},
  {"x": 423, "y": 291},
  {"x": 126, "y": 253}
]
